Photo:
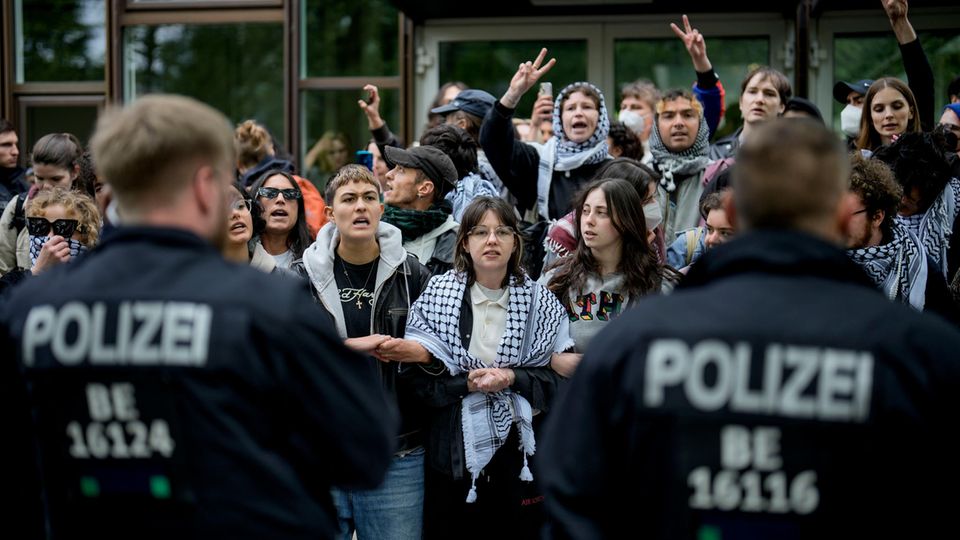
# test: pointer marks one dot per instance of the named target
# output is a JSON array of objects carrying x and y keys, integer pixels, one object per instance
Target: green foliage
[
  {"x": 236, "y": 68},
  {"x": 63, "y": 40},
  {"x": 350, "y": 37}
]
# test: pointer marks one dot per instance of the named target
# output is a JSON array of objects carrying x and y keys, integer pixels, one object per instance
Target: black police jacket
[
  {"x": 775, "y": 394},
  {"x": 177, "y": 395}
]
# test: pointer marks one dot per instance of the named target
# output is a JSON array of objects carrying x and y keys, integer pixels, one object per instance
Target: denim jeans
[{"x": 392, "y": 511}]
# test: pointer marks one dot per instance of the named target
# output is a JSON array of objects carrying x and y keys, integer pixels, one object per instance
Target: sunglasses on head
[
  {"x": 271, "y": 193},
  {"x": 38, "y": 226}
]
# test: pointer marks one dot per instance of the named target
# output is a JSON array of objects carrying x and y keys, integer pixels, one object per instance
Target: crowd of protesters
[{"x": 411, "y": 332}]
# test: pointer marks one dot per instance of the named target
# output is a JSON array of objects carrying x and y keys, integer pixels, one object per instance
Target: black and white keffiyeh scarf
[
  {"x": 690, "y": 161},
  {"x": 536, "y": 327},
  {"x": 935, "y": 226},
  {"x": 562, "y": 154},
  {"x": 898, "y": 267}
]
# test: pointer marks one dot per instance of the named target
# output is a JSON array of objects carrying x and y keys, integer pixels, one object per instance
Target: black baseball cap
[
  {"x": 842, "y": 89},
  {"x": 431, "y": 160},
  {"x": 475, "y": 102}
]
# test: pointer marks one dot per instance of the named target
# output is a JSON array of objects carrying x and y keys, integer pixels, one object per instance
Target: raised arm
[
  {"x": 378, "y": 127},
  {"x": 707, "y": 88},
  {"x": 915, "y": 63},
  {"x": 515, "y": 163}
]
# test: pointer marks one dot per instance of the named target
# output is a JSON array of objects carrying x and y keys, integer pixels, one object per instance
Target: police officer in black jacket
[
  {"x": 775, "y": 394},
  {"x": 173, "y": 394}
]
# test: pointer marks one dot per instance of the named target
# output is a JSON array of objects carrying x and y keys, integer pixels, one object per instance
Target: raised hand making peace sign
[
  {"x": 526, "y": 76},
  {"x": 695, "y": 44}
]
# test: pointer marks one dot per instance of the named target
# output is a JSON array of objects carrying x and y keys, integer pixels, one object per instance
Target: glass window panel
[
  {"x": 343, "y": 38},
  {"x": 336, "y": 112},
  {"x": 41, "y": 120},
  {"x": 236, "y": 68},
  {"x": 489, "y": 65},
  {"x": 871, "y": 56},
  {"x": 60, "y": 40},
  {"x": 667, "y": 63}
]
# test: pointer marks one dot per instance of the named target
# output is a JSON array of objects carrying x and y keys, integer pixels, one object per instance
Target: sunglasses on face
[
  {"x": 271, "y": 193},
  {"x": 38, "y": 226}
]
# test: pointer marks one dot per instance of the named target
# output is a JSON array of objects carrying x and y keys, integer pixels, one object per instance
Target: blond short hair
[
  {"x": 790, "y": 174},
  {"x": 142, "y": 149},
  {"x": 75, "y": 203}
]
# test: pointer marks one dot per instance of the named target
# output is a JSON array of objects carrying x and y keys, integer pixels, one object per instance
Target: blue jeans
[{"x": 394, "y": 510}]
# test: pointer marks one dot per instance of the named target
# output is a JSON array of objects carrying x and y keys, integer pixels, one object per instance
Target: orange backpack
[{"x": 313, "y": 204}]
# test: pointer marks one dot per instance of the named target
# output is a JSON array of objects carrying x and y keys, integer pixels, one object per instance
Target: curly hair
[
  {"x": 642, "y": 273},
  {"x": 917, "y": 162},
  {"x": 626, "y": 140},
  {"x": 252, "y": 142},
  {"x": 76, "y": 204},
  {"x": 472, "y": 216},
  {"x": 456, "y": 143},
  {"x": 873, "y": 181}
]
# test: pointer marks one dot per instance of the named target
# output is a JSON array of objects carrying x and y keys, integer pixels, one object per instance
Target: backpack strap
[{"x": 19, "y": 215}]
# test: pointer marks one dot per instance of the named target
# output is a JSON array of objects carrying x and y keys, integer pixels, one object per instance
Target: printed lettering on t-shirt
[{"x": 588, "y": 309}]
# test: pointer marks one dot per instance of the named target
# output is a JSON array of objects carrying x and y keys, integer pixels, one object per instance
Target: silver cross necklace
[{"x": 365, "y": 282}]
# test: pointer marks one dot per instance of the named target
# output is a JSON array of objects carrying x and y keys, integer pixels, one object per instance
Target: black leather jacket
[{"x": 392, "y": 304}]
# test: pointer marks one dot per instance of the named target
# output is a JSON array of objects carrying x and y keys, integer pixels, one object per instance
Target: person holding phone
[{"x": 546, "y": 176}]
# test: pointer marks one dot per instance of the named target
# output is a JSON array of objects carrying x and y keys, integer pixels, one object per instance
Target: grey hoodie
[{"x": 318, "y": 261}]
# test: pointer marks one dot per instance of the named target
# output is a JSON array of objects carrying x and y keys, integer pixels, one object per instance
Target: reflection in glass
[
  {"x": 872, "y": 56},
  {"x": 236, "y": 68},
  {"x": 344, "y": 38},
  {"x": 489, "y": 65},
  {"x": 667, "y": 63},
  {"x": 77, "y": 119},
  {"x": 60, "y": 40},
  {"x": 327, "y": 113}
]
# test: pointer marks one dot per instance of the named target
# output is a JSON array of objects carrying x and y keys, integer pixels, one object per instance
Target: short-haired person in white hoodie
[{"x": 363, "y": 277}]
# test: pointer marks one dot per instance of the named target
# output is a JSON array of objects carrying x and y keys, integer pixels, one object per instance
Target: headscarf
[
  {"x": 687, "y": 162},
  {"x": 561, "y": 154}
]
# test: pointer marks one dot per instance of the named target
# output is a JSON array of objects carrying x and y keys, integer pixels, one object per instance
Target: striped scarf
[
  {"x": 898, "y": 267},
  {"x": 684, "y": 163},
  {"x": 536, "y": 327},
  {"x": 935, "y": 226}
]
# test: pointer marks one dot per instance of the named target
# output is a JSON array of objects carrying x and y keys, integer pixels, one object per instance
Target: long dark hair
[
  {"x": 299, "y": 237},
  {"x": 641, "y": 271},
  {"x": 472, "y": 216},
  {"x": 632, "y": 171}
]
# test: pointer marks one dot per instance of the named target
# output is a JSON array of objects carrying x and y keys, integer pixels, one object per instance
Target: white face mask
[
  {"x": 633, "y": 120},
  {"x": 850, "y": 120},
  {"x": 652, "y": 215}
]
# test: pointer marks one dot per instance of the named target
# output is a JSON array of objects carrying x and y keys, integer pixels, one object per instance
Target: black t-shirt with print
[{"x": 356, "y": 285}]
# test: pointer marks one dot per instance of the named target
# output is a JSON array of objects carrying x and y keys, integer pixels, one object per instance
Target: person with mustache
[{"x": 679, "y": 145}]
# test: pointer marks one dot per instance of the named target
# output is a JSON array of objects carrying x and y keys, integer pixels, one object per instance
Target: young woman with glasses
[
  {"x": 243, "y": 218},
  {"x": 284, "y": 234},
  {"x": 486, "y": 332}
]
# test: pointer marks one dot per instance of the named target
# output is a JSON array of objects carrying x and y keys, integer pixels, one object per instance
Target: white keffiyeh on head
[
  {"x": 562, "y": 154},
  {"x": 536, "y": 327}
]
